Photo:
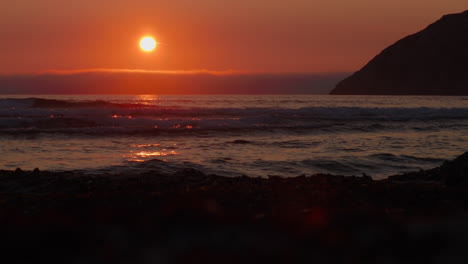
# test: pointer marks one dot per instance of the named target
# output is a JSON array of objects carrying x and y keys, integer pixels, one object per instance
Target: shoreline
[{"x": 180, "y": 217}]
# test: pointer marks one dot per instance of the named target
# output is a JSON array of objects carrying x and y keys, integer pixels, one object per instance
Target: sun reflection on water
[
  {"x": 122, "y": 116},
  {"x": 145, "y": 154},
  {"x": 147, "y": 99}
]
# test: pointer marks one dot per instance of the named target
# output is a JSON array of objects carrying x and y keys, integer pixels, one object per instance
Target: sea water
[{"x": 231, "y": 135}]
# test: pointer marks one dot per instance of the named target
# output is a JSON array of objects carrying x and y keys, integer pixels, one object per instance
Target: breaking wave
[{"x": 36, "y": 114}]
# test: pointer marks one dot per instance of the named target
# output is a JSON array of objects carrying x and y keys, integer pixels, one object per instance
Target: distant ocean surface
[{"x": 232, "y": 135}]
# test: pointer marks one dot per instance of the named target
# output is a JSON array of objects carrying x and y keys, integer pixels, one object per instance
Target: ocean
[{"x": 232, "y": 135}]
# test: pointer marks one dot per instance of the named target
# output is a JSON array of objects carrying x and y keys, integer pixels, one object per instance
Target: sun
[{"x": 148, "y": 44}]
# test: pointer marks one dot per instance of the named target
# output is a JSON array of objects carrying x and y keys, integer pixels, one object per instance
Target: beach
[
  {"x": 193, "y": 217},
  {"x": 209, "y": 179}
]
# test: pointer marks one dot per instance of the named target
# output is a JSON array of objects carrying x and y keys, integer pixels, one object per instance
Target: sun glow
[{"x": 148, "y": 44}]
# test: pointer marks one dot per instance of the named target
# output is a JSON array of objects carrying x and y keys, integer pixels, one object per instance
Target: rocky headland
[{"x": 433, "y": 61}]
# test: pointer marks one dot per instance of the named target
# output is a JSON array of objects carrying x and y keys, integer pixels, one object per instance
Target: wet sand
[{"x": 190, "y": 217}]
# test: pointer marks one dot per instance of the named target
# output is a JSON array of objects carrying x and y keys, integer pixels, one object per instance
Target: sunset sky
[{"x": 240, "y": 35}]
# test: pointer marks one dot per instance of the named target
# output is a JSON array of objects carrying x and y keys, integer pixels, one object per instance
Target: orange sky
[{"x": 242, "y": 35}]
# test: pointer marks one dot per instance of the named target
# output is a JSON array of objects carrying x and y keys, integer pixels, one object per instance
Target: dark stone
[
  {"x": 451, "y": 173},
  {"x": 433, "y": 61},
  {"x": 455, "y": 172}
]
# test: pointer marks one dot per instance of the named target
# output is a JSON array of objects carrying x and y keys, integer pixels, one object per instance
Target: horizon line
[{"x": 168, "y": 72}]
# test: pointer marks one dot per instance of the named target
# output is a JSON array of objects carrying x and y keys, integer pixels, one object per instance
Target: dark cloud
[{"x": 164, "y": 82}]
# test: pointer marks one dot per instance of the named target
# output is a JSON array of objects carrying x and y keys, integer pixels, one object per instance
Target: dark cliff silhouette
[{"x": 433, "y": 61}]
